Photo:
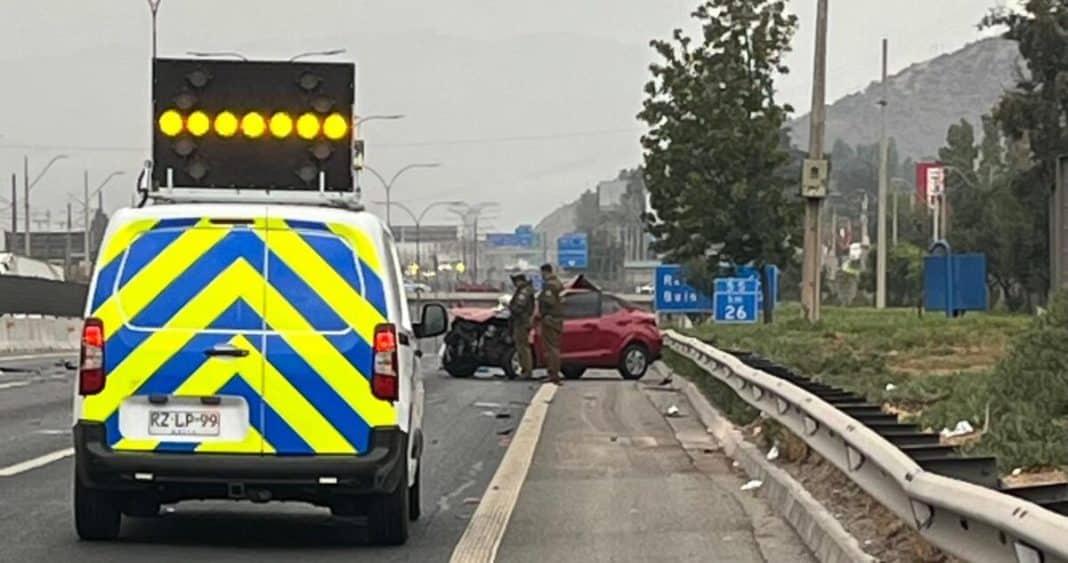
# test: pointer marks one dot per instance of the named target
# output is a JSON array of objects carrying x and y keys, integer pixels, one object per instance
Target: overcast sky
[{"x": 525, "y": 103}]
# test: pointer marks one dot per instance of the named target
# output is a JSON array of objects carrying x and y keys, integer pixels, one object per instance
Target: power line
[{"x": 441, "y": 142}]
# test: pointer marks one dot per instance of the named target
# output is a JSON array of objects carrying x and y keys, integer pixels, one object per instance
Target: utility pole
[
  {"x": 85, "y": 218},
  {"x": 14, "y": 214},
  {"x": 26, "y": 205},
  {"x": 894, "y": 229},
  {"x": 66, "y": 255},
  {"x": 880, "y": 256},
  {"x": 814, "y": 184}
]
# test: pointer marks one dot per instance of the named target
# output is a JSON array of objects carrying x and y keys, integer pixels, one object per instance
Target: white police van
[{"x": 253, "y": 343}]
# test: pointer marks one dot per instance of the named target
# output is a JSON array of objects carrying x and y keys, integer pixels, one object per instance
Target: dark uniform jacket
[
  {"x": 522, "y": 305},
  {"x": 551, "y": 302}
]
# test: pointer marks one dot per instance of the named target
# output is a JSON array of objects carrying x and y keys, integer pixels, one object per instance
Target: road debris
[
  {"x": 752, "y": 485},
  {"x": 890, "y": 387},
  {"x": 673, "y": 412},
  {"x": 963, "y": 428},
  {"x": 773, "y": 453}
]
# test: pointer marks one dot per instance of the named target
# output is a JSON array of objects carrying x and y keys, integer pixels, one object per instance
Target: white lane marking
[
  {"x": 36, "y": 462},
  {"x": 485, "y": 531},
  {"x": 44, "y": 356},
  {"x": 13, "y": 385}
]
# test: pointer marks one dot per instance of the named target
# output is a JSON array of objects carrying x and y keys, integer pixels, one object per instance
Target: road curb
[{"x": 818, "y": 528}]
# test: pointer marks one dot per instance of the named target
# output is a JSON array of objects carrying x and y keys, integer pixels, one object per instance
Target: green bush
[{"x": 1029, "y": 395}]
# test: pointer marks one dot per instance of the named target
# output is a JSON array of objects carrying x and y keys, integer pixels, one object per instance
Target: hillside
[{"x": 925, "y": 99}]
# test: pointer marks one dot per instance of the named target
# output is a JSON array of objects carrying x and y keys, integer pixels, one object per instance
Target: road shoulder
[{"x": 613, "y": 480}]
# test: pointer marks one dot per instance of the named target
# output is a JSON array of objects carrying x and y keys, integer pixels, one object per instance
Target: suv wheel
[
  {"x": 572, "y": 372},
  {"x": 511, "y": 366},
  {"x": 388, "y": 514},
  {"x": 96, "y": 514},
  {"x": 634, "y": 362}
]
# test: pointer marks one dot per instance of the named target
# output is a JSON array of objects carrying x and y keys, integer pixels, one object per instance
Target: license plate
[{"x": 184, "y": 423}]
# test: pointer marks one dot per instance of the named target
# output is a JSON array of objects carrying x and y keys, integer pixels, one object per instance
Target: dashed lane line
[
  {"x": 13, "y": 385},
  {"x": 31, "y": 464}
]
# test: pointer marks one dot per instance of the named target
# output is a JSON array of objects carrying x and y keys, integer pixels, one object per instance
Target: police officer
[
  {"x": 551, "y": 316},
  {"x": 521, "y": 307}
]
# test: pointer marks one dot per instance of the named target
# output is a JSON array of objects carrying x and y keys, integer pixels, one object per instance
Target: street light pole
[
  {"x": 326, "y": 53},
  {"x": 880, "y": 251},
  {"x": 28, "y": 185},
  {"x": 418, "y": 220},
  {"x": 153, "y": 5},
  {"x": 213, "y": 54},
  {"x": 389, "y": 185},
  {"x": 85, "y": 206}
]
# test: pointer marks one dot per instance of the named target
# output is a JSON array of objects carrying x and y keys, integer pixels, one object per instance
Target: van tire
[
  {"x": 388, "y": 514},
  {"x": 414, "y": 494},
  {"x": 97, "y": 516}
]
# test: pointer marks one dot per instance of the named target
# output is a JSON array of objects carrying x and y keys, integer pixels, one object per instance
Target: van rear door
[
  {"x": 325, "y": 297},
  {"x": 182, "y": 302}
]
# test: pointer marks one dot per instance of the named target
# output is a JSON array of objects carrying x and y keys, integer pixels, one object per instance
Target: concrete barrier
[{"x": 26, "y": 333}]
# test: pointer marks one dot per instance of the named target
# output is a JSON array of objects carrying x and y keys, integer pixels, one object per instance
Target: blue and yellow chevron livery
[{"x": 302, "y": 298}]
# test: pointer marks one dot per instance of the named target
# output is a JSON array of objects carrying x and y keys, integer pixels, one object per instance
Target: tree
[
  {"x": 1033, "y": 115},
  {"x": 715, "y": 154}
]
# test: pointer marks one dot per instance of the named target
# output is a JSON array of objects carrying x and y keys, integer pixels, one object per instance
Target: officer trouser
[
  {"x": 521, "y": 337},
  {"x": 550, "y": 337}
]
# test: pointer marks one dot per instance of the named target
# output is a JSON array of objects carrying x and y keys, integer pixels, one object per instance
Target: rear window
[
  {"x": 198, "y": 288},
  {"x": 314, "y": 284},
  {"x": 192, "y": 285}
]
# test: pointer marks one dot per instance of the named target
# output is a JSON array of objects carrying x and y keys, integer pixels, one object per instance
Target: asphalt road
[
  {"x": 463, "y": 450},
  {"x": 609, "y": 480}
]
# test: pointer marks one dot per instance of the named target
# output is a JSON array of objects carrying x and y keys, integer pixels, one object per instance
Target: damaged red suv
[{"x": 601, "y": 331}]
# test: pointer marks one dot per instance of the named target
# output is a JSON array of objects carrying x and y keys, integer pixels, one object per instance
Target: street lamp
[
  {"x": 27, "y": 186},
  {"x": 472, "y": 212},
  {"x": 365, "y": 119},
  {"x": 418, "y": 220},
  {"x": 389, "y": 185},
  {"x": 211, "y": 54},
  {"x": 327, "y": 53},
  {"x": 85, "y": 205}
]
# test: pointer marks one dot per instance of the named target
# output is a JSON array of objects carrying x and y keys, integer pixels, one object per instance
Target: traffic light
[{"x": 253, "y": 124}]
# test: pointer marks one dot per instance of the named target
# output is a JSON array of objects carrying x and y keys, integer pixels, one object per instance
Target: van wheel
[
  {"x": 388, "y": 514},
  {"x": 572, "y": 372},
  {"x": 634, "y": 362},
  {"x": 96, "y": 514},
  {"x": 414, "y": 494}
]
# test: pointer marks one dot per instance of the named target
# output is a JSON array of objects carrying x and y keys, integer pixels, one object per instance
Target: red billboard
[{"x": 930, "y": 182}]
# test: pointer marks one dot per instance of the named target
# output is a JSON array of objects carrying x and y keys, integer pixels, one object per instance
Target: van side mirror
[{"x": 433, "y": 321}]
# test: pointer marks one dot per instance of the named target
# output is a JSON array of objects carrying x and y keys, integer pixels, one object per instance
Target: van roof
[{"x": 365, "y": 220}]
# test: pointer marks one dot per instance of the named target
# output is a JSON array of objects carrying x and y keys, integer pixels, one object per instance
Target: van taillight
[
  {"x": 385, "y": 383},
  {"x": 91, "y": 378}
]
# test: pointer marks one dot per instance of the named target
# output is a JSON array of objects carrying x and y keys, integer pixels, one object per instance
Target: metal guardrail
[
  {"x": 489, "y": 299},
  {"x": 964, "y": 519}
]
